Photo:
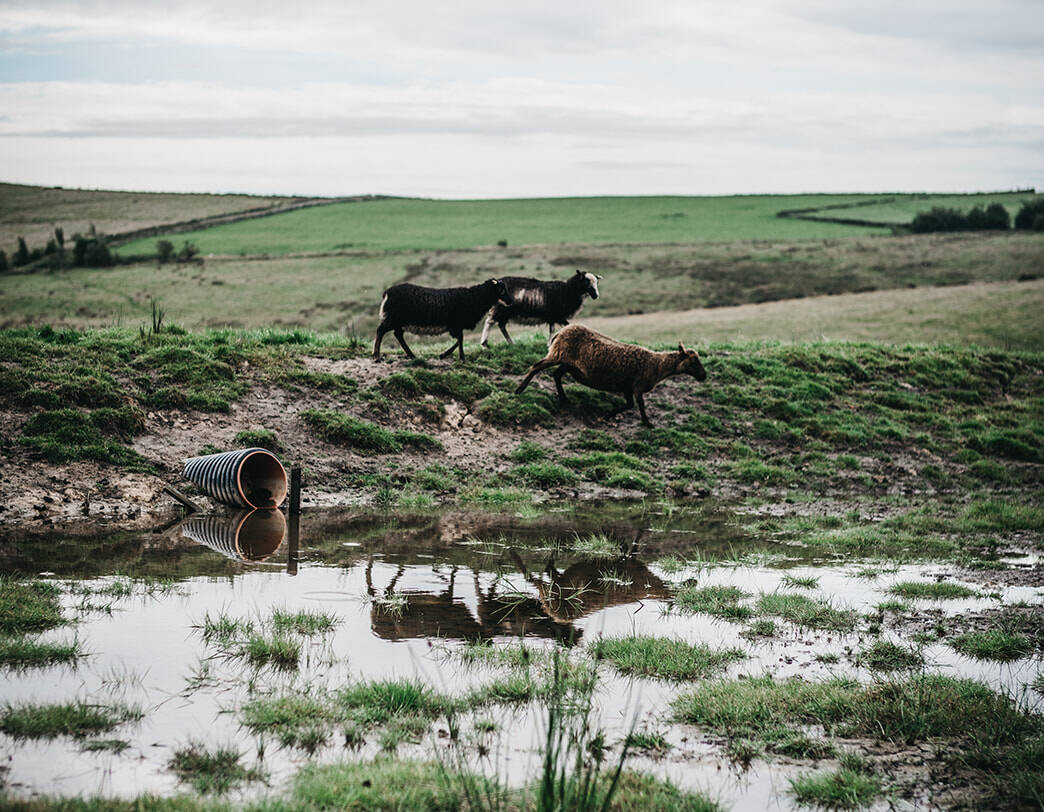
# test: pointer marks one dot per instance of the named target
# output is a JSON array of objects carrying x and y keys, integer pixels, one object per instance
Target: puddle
[{"x": 409, "y": 589}]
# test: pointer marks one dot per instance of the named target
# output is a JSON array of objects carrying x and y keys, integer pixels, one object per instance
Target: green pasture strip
[
  {"x": 410, "y": 224},
  {"x": 901, "y": 209},
  {"x": 343, "y": 293}
]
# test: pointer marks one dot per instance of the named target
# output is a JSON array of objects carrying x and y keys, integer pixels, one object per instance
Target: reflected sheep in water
[
  {"x": 247, "y": 535},
  {"x": 562, "y": 598}
]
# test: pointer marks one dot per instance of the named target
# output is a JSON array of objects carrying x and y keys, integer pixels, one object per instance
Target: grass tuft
[{"x": 667, "y": 659}]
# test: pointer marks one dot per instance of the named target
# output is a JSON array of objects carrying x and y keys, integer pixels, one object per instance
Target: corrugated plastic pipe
[
  {"x": 245, "y": 536},
  {"x": 249, "y": 478}
]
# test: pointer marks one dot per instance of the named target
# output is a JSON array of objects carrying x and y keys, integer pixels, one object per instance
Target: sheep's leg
[
  {"x": 641, "y": 408},
  {"x": 503, "y": 329},
  {"x": 402, "y": 342},
  {"x": 533, "y": 370},
  {"x": 458, "y": 344},
  {"x": 485, "y": 331},
  {"x": 558, "y": 373},
  {"x": 381, "y": 330}
]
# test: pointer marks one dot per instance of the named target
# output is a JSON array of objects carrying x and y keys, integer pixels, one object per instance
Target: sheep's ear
[
  {"x": 680, "y": 347},
  {"x": 579, "y": 272}
]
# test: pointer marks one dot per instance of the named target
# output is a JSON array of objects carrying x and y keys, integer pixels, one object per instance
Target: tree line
[{"x": 994, "y": 217}]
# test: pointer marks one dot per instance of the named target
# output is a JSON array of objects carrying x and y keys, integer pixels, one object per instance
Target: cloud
[{"x": 668, "y": 93}]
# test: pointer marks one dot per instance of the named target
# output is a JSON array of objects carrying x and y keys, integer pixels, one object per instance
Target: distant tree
[
  {"x": 4, "y": 267},
  {"x": 91, "y": 252},
  {"x": 993, "y": 218},
  {"x": 939, "y": 219},
  {"x": 59, "y": 236},
  {"x": 21, "y": 256},
  {"x": 164, "y": 250},
  {"x": 1027, "y": 215},
  {"x": 188, "y": 251}
]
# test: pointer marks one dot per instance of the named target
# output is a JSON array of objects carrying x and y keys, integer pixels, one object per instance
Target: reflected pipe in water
[{"x": 248, "y": 535}]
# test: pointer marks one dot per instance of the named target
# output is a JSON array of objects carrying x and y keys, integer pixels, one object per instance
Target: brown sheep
[{"x": 604, "y": 363}]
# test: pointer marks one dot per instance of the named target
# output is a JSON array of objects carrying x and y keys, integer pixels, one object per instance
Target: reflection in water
[
  {"x": 562, "y": 598},
  {"x": 247, "y": 535}
]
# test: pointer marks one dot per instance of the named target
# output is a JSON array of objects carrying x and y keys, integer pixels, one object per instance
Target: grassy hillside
[
  {"x": 1001, "y": 314},
  {"x": 448, "y": 224},
  {"x": 901, "y": 209},
  {"x": 859, "y": 418},
  {"x": 342, "y": 293},
  {"x": 33, "y": 212}
]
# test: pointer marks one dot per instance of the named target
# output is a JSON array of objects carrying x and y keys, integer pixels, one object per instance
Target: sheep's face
[
  {"x": 503, "y": 296},
  {"x": 591, "y": 288},
  {"x": 689, "y": 364}
]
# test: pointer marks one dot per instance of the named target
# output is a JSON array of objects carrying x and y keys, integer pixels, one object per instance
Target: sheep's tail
[{"x": 533, "y": 370}]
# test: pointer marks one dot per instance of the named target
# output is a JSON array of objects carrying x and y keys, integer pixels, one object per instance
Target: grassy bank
[{"x": 850, "y": 418}]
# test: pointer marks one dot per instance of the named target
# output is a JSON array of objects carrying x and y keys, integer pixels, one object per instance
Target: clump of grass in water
[
  {"x": 806, "y": 612},
  {"x": 796, "y": 582},
  {"x": 303, "y": 622},
  {"x": 211, "y": 771},
  {"x": 886, "y": 656},
  {"x": 650, "y": 743},
  {"x": 291, "y": 718},
  {"x": 277, "y": 650},
  {"x": 376, "y": 702},
  {"x": 935, "y": 591},
  {"x": 76, "y": 719},
  {"x": 667, "y": 659},
  {"x": 720, "y": 601},
  {"x": 21, "y": 652},
  {"x": 843, "y": 789},
  {"x": 762, "y": 628},
  {"x": 595, "y": 544},
  {"x": 29, "y": 607},
  {"x": 994, "y": 644}
]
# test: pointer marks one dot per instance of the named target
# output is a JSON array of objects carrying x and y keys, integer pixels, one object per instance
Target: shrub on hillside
[
  {"x": 939, "y": 219},
  {"x": 1031, "y": 215},
  {"x": 993, "y": 218},
  {"x": 91, "y": 252},
  {"x": 164, "y": 251}
]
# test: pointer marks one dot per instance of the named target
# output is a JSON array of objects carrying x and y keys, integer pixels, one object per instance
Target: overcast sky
[{"x": 483, "y": 99}]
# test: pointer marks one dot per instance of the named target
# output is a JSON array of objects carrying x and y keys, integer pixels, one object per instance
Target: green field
[
  {"x": 324, "y": 268},
  {"x": 402, "y": 224},
  {"x": 33, "y": 212},
  {"x": 901, "y": 209}
]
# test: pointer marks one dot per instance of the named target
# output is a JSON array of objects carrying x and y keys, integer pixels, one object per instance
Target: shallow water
[{"x": 464, "y": 575}]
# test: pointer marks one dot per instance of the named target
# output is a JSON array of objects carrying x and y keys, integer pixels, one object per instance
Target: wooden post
[
  {"x": 295, "y": 490},
  {"x": 293, "y": 543}
]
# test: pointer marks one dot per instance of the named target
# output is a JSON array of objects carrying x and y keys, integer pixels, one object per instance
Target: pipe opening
[{"x": 262, "y": 480}]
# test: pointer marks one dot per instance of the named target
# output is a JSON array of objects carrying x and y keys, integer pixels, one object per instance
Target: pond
[{"x": 163, "y": 622}]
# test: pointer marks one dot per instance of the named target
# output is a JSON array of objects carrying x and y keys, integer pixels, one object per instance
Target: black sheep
[
  {"x": 538, "y": 302},
  {"x": 436, "y": 310}
]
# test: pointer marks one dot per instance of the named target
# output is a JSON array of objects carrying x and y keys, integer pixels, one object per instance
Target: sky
[{"x": 483, "y": 99}]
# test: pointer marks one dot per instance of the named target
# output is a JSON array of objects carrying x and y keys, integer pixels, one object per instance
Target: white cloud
[{"x": 617, "y": 96}]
